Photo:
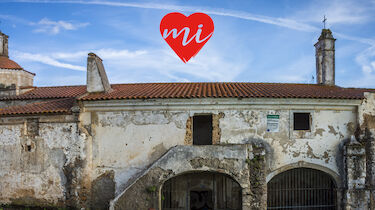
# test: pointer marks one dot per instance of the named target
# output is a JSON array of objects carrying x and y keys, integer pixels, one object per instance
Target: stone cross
[{"x": 324, "y": 21}]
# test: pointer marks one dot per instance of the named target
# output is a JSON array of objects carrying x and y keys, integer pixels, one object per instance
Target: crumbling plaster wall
[
  {"x": 320, "y": 145},
  {"x": 128, "y": 136},
  {"x": 35, "y": 155},
  {"x": 127, "y": 142}
]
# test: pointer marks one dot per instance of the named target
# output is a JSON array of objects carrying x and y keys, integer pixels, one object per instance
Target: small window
[
  {"x": 32, "y": 127},
  {"x": 202, "y": 130},
  {"x": 301, "y": 121}
]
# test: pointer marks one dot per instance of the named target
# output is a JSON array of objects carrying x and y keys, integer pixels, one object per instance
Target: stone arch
[
  {"x": 146, "y": 189},
  {"x": 214, "y": 185},
  {"x": 211, "y": 170}
]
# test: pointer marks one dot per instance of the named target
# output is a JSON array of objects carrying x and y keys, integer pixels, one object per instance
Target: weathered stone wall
[
  {"x": 357, "y": 195},
  {"x": 7, "y": 91},
  {"x": 39, "y": 157},
  {"x": 19, "y": 78},
  {"x": 129, "y": 136},
  {"x": 114, "y": 144},
  {"x": 366, "y": 136}
]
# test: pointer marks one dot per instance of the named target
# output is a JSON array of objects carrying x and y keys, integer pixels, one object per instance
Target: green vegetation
[{"x": 151, "y": 189}]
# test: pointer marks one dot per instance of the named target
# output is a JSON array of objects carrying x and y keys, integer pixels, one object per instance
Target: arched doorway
[
  {"x": 201, "y": 191},
  {"x": 302, "y": 188}
]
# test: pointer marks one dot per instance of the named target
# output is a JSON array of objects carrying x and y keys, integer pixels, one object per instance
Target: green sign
[{"x": 273, "y": 123}]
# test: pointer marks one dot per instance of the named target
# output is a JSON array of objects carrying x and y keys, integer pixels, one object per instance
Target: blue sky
[{"x": 254, "y": 41}]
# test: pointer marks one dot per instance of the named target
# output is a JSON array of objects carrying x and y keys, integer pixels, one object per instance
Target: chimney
[
  {"x": 97, "y": 80},
  {"x": 3, "y": 45},
  {"x": 325, "y": 58}
]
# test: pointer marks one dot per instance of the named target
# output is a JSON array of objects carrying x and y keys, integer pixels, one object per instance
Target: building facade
[{"x": 190, "y": 145}]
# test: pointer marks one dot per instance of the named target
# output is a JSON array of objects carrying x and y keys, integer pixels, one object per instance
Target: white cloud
[
  {"x": 357, "y": 39},
  {"x": 54, "y": 27},
  {"x": 337, "y": 12},
  {"x": 164, "y": 65},
  {"x": 283, "y": 22},
  {"x": 103, "y": 53},
  {"x": 300, "y": 71},
  {"x": 74, "y": 56},
  {"x": 210, "y": 65},
  {"x": 119, "y": 54},
  {"x": 366, "y": 60},
  {"x": 46, "y": 60},
  {"x": 15, "y": 19},
  {"x": 156, "y": 64}
]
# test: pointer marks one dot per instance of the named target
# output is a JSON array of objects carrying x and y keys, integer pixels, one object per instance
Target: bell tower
[{"x": 325, "y": 58}]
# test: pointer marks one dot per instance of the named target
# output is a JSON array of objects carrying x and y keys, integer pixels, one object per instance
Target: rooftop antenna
[{"x": 324, "y": 22}]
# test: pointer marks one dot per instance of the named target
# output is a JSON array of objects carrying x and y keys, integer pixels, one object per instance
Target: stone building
[
  {"x": 190, "y": 145},
  {"x": 13, "y": 78}
]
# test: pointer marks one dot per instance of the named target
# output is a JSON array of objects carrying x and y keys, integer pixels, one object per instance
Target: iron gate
[{"x": 302, "y": 188}]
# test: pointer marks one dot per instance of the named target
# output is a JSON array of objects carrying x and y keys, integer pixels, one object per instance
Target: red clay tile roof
[
  {"x": 51, "y": 106},
  {"x": 50, "y": 92},
  {"x": 6, "y": 63},
  {"x": 226, "y": 90},
  {"x": 196, "y": 90},
  {"x": 64, "y": 96}
]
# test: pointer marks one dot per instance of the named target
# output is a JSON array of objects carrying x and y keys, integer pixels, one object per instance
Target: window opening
[
  {"x": 301, "y": 121},
  {"x": 202, "y": 130}
]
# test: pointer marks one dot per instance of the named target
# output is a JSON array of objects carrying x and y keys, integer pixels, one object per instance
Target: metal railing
[{"x": 302, "y": 188}]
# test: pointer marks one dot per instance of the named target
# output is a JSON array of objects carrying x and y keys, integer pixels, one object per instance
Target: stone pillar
[
  {"x": 366, "y": 118},
  {"x": 357, "y": 196},
  {"x": 369, "y": 140},
  {"x": 325, "y": 58},
  {"x": 258, "y": 182},
  {"x": 3, "y": 45}
]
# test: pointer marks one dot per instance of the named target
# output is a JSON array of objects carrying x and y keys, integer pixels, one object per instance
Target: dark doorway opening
[
  {"x": 202, "y": 130},
  {"x": 203, "y": 191},
  {"x": 302, "y": 188},
  {"x": 201, "y": 200}
]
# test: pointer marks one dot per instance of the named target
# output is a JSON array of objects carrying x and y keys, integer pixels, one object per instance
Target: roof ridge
[
  {"x": 168, "y": 83},
  {"x": 60, "y": 86},
  {"x": 40, "y": 102},
  {"x": 53, "y": 106},
  {"x": 136, "y": 83}
]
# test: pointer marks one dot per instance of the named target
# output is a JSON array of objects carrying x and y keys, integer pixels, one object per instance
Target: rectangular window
[
  {"x": 301, "y": 121},
  {"x": 32, "y": 127},
  {"x": 202, "y": 130}
]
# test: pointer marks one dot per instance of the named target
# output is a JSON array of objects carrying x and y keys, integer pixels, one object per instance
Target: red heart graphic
[{"x": 186, "y": 35}]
